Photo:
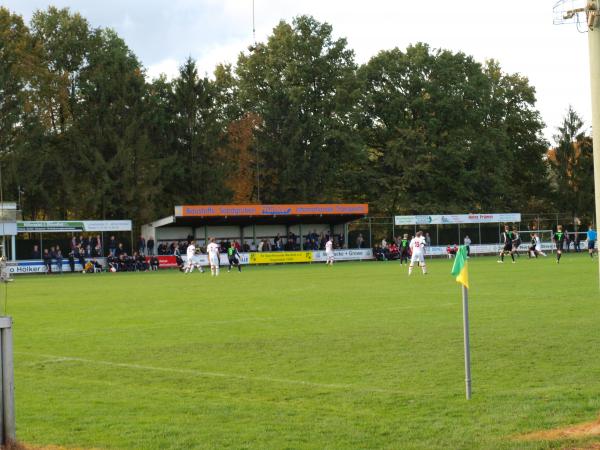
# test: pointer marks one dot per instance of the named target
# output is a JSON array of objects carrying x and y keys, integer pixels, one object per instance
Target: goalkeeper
[{"x": 234, "y": 257}]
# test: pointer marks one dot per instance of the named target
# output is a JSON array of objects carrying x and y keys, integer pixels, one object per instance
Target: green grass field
[{"x": 307, "y": 356}]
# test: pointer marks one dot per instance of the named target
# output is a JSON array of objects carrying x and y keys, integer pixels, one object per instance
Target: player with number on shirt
[
  {"x": 559, "y": 239},
  {"x": 213, "y": 257},
  {"x": 417, "y": 246}
]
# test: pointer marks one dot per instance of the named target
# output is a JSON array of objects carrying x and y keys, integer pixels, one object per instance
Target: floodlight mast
[
  {"x": 592, "y": 16},
  {"x": 593, "y": 22}
]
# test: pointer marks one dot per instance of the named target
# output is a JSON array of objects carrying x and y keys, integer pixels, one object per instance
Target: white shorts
[
  {"x": 329, "y": 254},
  {"x": 417, "y": 257},
  {"x": 214, "y": 260}
]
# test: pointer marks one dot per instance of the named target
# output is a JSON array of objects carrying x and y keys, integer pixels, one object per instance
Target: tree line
[{"x": 85, "y": 134}]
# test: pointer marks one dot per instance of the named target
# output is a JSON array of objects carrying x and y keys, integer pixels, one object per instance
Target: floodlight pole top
[{"x": 592, "y": 13}]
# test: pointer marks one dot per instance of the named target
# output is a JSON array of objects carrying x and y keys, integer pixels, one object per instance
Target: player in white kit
[
  {"x": 190, "y": 252},
  {"x": 417, "y": 246},
  {"x": 329, "y": 252},
  {"x": 213, "y": 257}
]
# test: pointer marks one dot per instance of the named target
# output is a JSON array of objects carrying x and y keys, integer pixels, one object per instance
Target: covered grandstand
[{"x": 249, "y": 224}]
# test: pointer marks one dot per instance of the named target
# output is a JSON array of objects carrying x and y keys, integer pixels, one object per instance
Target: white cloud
[{"x": 168, "y": 67}]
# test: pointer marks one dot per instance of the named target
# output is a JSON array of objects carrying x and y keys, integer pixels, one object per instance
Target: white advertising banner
[
  {"x": 345, "y": 255},
  {"x": 60, "y": 226},
  {"x": 37, "y": 266},
  {"x": 450, "y": 219},
  {"x": 202, "y": 259},
  {"x": 491, "y": 248}
]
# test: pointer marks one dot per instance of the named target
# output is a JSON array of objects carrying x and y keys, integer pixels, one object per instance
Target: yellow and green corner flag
[{"x": 460, "y": 269}]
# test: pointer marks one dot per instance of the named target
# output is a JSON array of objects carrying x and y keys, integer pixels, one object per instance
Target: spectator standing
[
  {"x": 427, "y": 240},
  {"x": 84, "y": 242},
  {"x": 71, "y": 259},
  {"x": 98, "y": 247},
  {"x": 35, "y": 253},
  {"x": 47, "y": 261},
  {"x": 150, "y": 245},
  {"x": 93, "y": 245},
  {"x": 359, "y": 240},
  {"x": 467, "y": 242},
  {"x": 81, "y": 259},
  {"x": 59, "y": 259},
  {"x": 567, "y": 245},
  {"x": 142, "y": 245},
  {"x": 276, "y": 242},
  {"x": 577, "y": 244},
  {"x": 112, "y": 246}
]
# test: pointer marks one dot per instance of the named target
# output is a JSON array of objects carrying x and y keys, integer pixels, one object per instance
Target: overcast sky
[{"x": 518, "y": 33}]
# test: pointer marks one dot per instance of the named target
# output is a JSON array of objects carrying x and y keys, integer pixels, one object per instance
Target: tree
[
  {"x": 302, "y": 85},
  {"x": 442, "y": 135},
  {"x": 572, "y": 167},
  {"x": 240, "y": 154}
]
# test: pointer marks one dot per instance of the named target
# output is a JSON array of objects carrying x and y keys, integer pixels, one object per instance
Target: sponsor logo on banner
[
  {"x": 280, "y": 257},
  {"x": 20, "y": 267},
  {"x": 202, "y": 259},
  {"x": 270, "y": 210},
  {"x": 164, "y": 261},
  {"x": 345, "y": 255},
  {"x": 57, "y": 226},
  {"x": 450, "y": 219}
]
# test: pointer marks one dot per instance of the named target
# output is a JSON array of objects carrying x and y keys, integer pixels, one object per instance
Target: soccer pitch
[{"x": 307, "y": 356}]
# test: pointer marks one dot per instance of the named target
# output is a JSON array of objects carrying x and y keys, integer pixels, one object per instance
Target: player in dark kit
[
  {"x": 531, "y": 249},
  {"x": 234, "y": 257},
  {"x": 516, "y": 243},
  {"x": 559, "y": 239},
  {"x": 404, "y": 249},
  {"x": 508, "y": 237}
]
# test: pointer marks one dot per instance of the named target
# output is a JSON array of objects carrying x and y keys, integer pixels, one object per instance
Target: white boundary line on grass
[{"x": 200, "y": 373}]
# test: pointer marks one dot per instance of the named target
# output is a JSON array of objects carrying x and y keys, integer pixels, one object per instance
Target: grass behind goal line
[{"x": 306, "y": 356}]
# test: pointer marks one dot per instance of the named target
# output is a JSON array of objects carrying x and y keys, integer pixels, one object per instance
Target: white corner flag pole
[{"x": 465, "y": 297}]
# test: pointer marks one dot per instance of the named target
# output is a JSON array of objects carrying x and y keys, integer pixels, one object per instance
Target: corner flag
[{"x": 460, "y": 268}]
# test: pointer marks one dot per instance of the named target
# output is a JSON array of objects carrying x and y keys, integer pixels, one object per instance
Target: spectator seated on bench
[
  {"x": 393, "y": 251},
  {"x": 452, "y": 251}
]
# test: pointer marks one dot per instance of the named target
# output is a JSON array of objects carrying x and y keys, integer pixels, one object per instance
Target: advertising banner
[
  {"x": 280, "y": 257},
  {"x": 37, "y": 266},
  {"x": 202, "y": 259},
  {"x": 345, "y": 255},
  {"x": 270, "y": 210},
  {"x": 450, "y": 219},
  {"x": 164, "y": 261},
  {"x": 61, "y": 226}
]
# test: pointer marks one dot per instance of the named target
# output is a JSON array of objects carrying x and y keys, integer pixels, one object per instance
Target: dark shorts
[
  {"x": 591, "y": 245},
  {"x": 233, "y": 261},
  {"x": 508, "y": 247}
]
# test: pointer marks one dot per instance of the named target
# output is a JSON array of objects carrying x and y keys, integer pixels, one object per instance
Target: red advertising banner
[
  {"x": 271, "y": 210},
  {"x": 164, "y": 261}
]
